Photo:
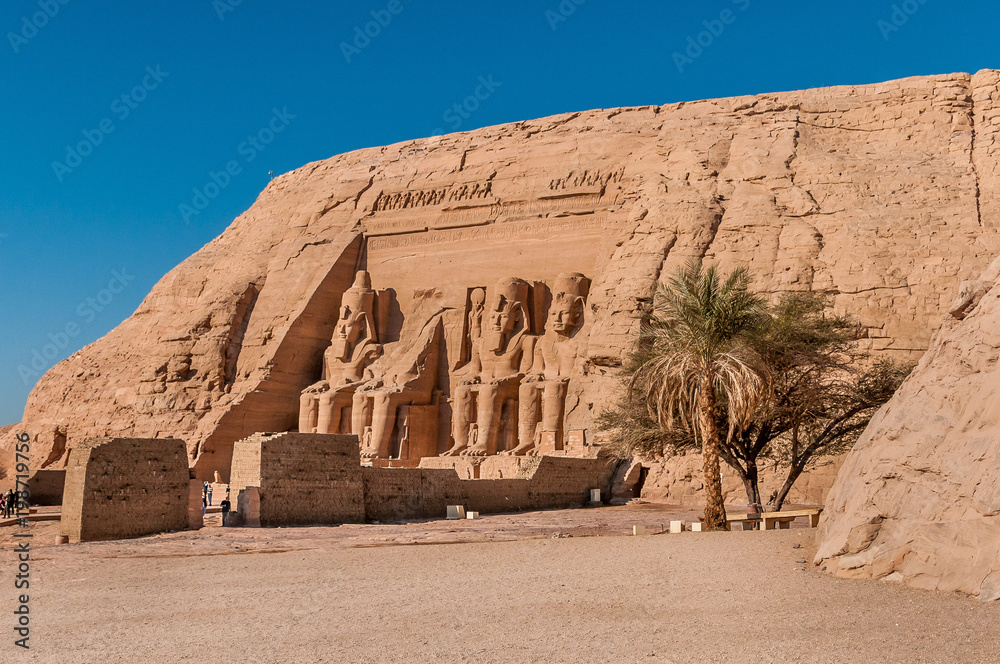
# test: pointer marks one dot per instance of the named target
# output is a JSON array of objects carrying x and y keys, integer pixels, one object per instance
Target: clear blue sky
[{"x": 220, "y": 68}]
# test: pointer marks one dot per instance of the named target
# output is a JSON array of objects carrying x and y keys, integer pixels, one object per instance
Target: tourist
[
  {"x": 209, "y": 494},
  {"x": 10, "y": 506},
  {"x": 3, "y": 505},
  {"x": 225, "y": 511}
]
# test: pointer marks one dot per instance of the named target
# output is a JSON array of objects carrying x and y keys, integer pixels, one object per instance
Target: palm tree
[{"x": 697, "y": 345}]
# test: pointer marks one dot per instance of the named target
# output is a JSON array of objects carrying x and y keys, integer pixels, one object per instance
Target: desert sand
[{"x": 549, "y": 586}]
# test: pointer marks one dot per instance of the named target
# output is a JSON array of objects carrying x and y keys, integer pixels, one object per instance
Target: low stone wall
[
  {"x": 318, "y": 478},
  {"x": 125, "y": 487},
  {"x": 302, "y": 478}
]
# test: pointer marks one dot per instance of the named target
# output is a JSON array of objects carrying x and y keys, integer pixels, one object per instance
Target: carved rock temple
[{"x": 472, "y": 295}]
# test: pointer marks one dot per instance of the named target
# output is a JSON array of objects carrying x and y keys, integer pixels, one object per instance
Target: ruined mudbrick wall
[
  {"x": 318, "y": 478},
  {"x": 125, "y": 487},
  {"x": 303, "y": 478}
]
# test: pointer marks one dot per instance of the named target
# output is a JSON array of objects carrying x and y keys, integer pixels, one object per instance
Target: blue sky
[{"x": 116, "y": 114}]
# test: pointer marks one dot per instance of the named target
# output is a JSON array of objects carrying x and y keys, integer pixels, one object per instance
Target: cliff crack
[
  {"x": 357, "y": 199},
  {"x": 869, "y": 290},
  {"x": 819, "y": 126},
  {"x": 238, "y": 328},
  {"x": 972, "y": 154}
]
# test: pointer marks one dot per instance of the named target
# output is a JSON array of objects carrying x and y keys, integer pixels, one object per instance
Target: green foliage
[
  {"x": 794, "y": 382},
  {"x": 698, "y": 338}
]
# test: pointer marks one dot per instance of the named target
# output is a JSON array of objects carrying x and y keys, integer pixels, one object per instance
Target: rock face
[
  {"x": 680, "y": 481},
  {"x": 918, "y": 498},
  {"x": 882, "y": 195}
]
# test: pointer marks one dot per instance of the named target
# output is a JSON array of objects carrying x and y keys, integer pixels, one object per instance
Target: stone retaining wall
[{"x": 125, "y": 487}]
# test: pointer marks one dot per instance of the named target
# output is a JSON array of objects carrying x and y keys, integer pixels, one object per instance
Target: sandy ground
[{"x": 552, "y": 586}]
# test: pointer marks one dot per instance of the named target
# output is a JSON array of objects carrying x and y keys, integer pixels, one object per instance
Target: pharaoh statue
[
  {"x": 542, "y": 394},
  {"x": 500, "y": 356},
  {"x": 353, "y": 347},
  {"x": 396, "y": 412}
]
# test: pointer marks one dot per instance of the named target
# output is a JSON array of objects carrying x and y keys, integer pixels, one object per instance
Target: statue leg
[
  {"x": 308, "y": 412},
  {"x": 460, "y": 416},
  {"x": 488, "y": 420},
  {"x": 360, "y": 412},
  {"x": 383, "y": 418},
  {"x": 341, "y": 404},
  {"x": 324, "y": 418},
  {"x": 553, "y": 405},
  {"x": 528, "y": 395}
]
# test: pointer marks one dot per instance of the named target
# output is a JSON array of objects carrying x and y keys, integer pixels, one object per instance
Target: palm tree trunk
[{"x": 715, "y": 510}]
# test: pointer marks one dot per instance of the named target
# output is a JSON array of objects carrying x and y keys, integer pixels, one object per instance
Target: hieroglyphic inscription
[
  {"x": 586, "y": 202},
  {"x": 504, "y": 231},
  {"x": 408, "y": 223},
  {"x": 415, "y": 198},
  {"x": 587, "y": 179}
]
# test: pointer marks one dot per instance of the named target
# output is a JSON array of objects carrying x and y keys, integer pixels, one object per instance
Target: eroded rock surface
[
  {"x": 918, "y": 498},
  {"x": 882, "y": 195}
]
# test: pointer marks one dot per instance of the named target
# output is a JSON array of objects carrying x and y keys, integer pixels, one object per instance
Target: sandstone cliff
[
  {"x": 883, "y": 195},
  {"x": 918, "y": 498}
]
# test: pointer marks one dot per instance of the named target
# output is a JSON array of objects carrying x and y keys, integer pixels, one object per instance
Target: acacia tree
[
  {"x": 696, "y": 354},
  {"x": 825, "y": 390}
]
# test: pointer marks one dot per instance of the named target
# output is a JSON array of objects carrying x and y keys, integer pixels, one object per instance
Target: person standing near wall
[
  {"x": 225, "y": 505},
  {"x": 209, "y": 493}
]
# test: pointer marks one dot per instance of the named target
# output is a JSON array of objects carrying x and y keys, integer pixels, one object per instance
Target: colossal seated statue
[
  {"x": 500, "y": 356},
  {"x": 353, "y": 347},
  {"x": 396, "y": 412},
  {"x": 542, "y": 393}
]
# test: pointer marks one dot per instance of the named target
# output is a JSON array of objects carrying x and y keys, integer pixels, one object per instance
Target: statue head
[
  {"x": 566, "y": 310},
  {"x": 508, "y": 313},
  {"x": 357, "y": 307}
]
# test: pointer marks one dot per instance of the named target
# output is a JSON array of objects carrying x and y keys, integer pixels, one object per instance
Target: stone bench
[
  {"x": 772, "y": 520},
  {"x": 784, "y": 519}
]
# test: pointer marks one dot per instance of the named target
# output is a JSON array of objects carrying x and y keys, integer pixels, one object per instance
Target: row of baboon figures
[{"x": 510, "y": 382}]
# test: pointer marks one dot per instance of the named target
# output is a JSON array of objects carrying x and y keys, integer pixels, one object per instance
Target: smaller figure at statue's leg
[
  {"x": 360, "y": 412},
  {"x": 324, "y": 419},
  {"x": 383, "y": 405},
  {"x": 462, "y": 414},
  {"x": 528, "y": 397},
  {"x": 553, "y": 406},
  {"x": 488, "y": 419}
]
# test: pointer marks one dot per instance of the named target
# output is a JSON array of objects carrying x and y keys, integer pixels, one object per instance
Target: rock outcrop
[
  {"x": 918, "y": 498},
  {"x": 881, "y": 195}
]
